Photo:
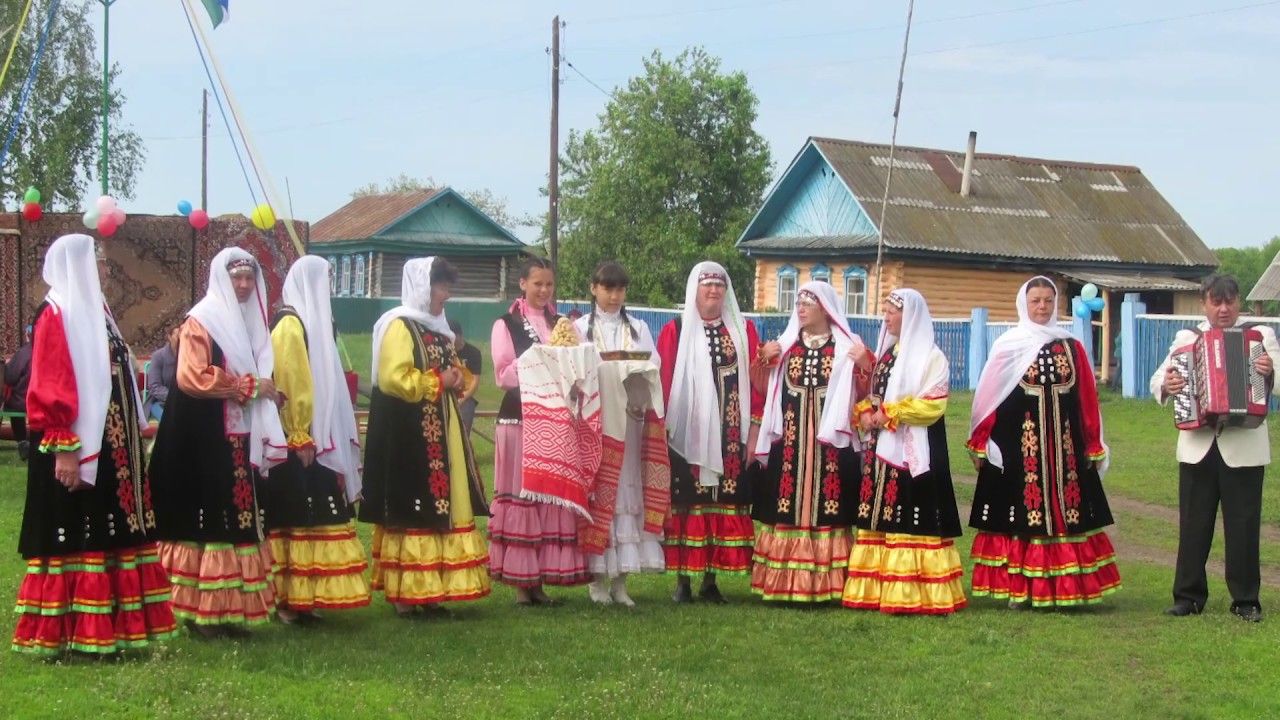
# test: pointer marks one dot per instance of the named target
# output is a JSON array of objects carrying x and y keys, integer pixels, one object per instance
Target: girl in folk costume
[
  {"x": 93, "y": 583},
  {"x": 422, "y": 490},
  {"x": 806, "y": 495},
  {"x": 531, "y": 543},
  {"x": 311, "y": 496},
  {"x": 905, "y": 560},
  {"x": 631, "y": 547},
  {"x": 219, "y": 437},
  {"x": 713, "y": 402},
  {"x": 1036, "y": 440}
]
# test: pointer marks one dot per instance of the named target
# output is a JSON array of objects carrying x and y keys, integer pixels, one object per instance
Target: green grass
[{"x": 743, "y": 660}]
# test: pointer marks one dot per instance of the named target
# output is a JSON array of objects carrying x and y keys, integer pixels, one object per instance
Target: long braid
[
  {"x": 635, "y": 334},
  {"x": 591, "y": 322}
]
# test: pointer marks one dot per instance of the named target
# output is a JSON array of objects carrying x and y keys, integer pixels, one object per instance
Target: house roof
[
  {"x": 1020, "y": 208},
  {"x": 366, "y": 216},
  {"x": 1268, "y": 286},
  {"x": 1127, "y": 281}
]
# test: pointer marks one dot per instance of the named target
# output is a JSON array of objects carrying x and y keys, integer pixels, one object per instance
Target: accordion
[{"x": 1223, "y": 389}]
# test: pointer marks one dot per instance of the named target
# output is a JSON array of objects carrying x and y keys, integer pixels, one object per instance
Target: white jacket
[{"x": 1240, "y": 447}]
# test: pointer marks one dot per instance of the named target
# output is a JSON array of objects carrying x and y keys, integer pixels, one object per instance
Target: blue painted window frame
[
  {"x": 859, "y": 304},
  {"x": 820, "y": 273},
  {"x": 333, "y": 275},
  {"x": 344, "y": 279},
  {"x": 358, "y": 289},
  {"x": 787, "y": 295}
]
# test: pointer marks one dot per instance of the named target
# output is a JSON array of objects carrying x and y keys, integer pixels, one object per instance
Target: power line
[
  {"x": 593, "y": 83},
  {"x": 681, "y": 13},
  {"x": 853, "y": 31}
]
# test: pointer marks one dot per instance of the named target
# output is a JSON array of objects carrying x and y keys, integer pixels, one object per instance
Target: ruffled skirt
[
  {"x": 320, "y": 568},
  {"x": 801, "y": 564},
  {"x": 1049, "y": 571},
  {"x": 904, "y": 574},
  {"x": 709, "y": 539},
  {"x": 220, "y": 583},
  {"x": 94, "y": 602},
  {"x": 423, "y": 567},
  {"x": 530, "y": 543}
]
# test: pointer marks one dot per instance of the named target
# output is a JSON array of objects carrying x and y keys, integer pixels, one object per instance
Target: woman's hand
[{"x": 66, "y": 468}]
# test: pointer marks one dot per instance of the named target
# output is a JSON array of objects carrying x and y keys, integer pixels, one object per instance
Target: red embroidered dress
[
  {"x": 709, "y": 529},
  {"x": 93, "y": 583},
  {"x": 806, "y": 497},
  {"x": 1041, "y": 519}
]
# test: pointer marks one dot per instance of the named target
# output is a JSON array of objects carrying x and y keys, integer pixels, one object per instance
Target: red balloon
[
  {"x": 32, "y": 212},
  {"x": 199, "y": 219},
  {"x": 107, "y": 225}
]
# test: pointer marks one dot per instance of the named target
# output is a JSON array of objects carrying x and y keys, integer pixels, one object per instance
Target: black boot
[
  {"x": 710, "y": 592},
  {"x": 684, "y": 592}
]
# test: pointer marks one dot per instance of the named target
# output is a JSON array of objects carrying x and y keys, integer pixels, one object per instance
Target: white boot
[
  {"x": 618, "y": 589},
  {"x": 599, "y": 594}
]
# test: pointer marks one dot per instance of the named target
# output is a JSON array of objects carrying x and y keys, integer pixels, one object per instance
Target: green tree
[
  {"x": 670, "y": 177},
  {"x": 484, "y": 199},
  {"x": 1248, "y": 264},
  {"x": 58, "y": 147}
]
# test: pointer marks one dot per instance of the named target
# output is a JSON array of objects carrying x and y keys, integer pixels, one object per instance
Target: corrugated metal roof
[
  {"x": 363, "y": 217},
  {"x": 1022, "y": 208},
  {"x": 1268, "y": 286},
  {"x": 1122, "y": 281}
]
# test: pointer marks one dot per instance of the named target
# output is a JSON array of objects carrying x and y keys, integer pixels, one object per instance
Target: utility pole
[
  {"x": 106, "y": 89},
  {"x": 553, "y": 238},
  {"x": 204, "y": 150}
]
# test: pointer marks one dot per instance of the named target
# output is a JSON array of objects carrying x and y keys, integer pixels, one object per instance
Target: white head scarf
[
  {"x": 75, "y": 294},
  {"x": 333, "y": 422},
  {"x": 908, "y": 446},
  {"x": 415, "y": 304},
  {"x": 834, "y": 429},
  {"x": 1011, "y": 355},
  {"x": 693, "y": 415},
  {"x": 240, "y": 330}
]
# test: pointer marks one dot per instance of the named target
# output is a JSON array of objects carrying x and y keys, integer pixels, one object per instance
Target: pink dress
[{"x": 530, "y": 543}]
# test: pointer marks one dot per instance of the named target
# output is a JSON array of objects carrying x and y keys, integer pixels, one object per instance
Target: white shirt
[
  {"x": 1240, "y": 447},
  {"x": 611, "y": 333}
]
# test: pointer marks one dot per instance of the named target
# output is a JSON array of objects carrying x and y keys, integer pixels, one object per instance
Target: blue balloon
[
  {"x": 1096, "y": 304},
  {"x": 1082, "y": 311},
  {"x": 184, "y": 208}
]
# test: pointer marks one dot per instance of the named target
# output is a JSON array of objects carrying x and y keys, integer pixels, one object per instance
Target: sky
[{"x": 337, "y": 94}]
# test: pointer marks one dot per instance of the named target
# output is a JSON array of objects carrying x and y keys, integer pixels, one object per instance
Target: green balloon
[{"x": 33, "y": 195}]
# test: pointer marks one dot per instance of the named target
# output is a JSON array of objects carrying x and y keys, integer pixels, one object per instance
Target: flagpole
[{"x": 106, "y": 89}]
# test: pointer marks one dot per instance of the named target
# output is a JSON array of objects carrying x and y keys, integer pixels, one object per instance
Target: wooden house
[
  {"x": 967, "y": 229},
  {"x": 368, "y": 240}
]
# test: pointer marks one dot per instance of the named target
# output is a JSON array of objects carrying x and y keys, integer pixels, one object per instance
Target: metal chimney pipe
[{"x": 966, "y": 180}]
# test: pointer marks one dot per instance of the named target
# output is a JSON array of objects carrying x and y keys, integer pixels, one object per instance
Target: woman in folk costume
[
  {"x": 422, "y": 490},
  {"x": 905, "y": 560},
  {"x": 805, "y": 497},
  {"x": 531, "y": 543},
  {"x": 218, "y": 440},
  {"x": 714, "y": 398},
  {"x": 1036, "y": 440},
  {"x": 631, "y": 548},
  {"x": 311, "y": 496},
  {"x": 94, "y": 583}
]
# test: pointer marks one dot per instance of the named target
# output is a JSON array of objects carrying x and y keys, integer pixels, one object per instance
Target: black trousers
[{"x": 1200, "y": 488}]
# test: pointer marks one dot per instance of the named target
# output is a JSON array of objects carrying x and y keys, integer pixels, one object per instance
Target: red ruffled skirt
[
  {"x": 1049, "y": 571},
  {"x": 94, "y": 602},
  {"x": 708, "y": 539}
]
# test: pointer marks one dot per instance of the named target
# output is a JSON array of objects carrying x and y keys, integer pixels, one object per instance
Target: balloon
[
  {"x": 263, "y": 217},
  {"x": 1082, "y": 311},
  {"x": 91, "y": 219},
  {"x": 32, "y": 196},
  {"x": 106, "y": 205},
  {"x": 184, "y": 208},
  {"x": 32, "y": 212},
  {"x": 1095, "y": 304},
  {"x": 1088, "y": 292},
  {"x": 107, "y": 225},
  {"x": 119, "y": 217},
  {"x": 199, "y": 219}
]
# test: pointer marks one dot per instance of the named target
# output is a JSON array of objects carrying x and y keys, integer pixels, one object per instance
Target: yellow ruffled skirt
[
  {"x": 904, "y": 574},
  {"x": 320, "y": 568}
]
